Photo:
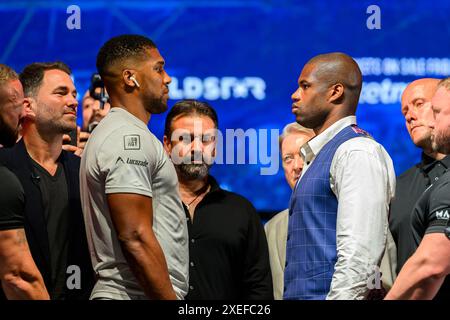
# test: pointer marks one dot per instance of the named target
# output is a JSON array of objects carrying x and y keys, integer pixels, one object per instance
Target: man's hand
[{"x": 82, "y": 138}]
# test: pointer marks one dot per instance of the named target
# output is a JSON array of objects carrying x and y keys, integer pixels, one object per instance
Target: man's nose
[
  {"x": 410, "y": 115},
  {"x": 197, "y": 145},
  {"x": 298, "y": 163},
  {"x": 96, "y": 105},
  {"x": 72, "y": 102},
  {"x": 296, "y": 95},
  {"x": 167, "y": 78}
]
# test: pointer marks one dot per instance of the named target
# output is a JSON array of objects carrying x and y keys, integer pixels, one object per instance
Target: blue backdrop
[{"x": 244, "y": 57}]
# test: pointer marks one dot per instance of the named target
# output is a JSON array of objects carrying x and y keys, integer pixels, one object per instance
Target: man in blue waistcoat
[{"x": 339, "y": 211}]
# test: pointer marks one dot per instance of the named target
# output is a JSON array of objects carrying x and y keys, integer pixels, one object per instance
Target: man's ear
[
  {"x": 167, "y": 145},
  {"x": 29, "y": 106},
  {"x": 336, "y": 93},
  {"x": 127, "y": 77}
]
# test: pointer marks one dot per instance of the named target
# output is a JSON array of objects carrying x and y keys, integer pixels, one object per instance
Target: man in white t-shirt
[{"x": 136, "y": 227}]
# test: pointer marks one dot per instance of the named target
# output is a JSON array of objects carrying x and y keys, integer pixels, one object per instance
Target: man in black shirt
[
  {"x": 416, "y": 108},
  {"x": 19, "y": 276},
  {"x": 424, "y": 274},
  {"x": 227, "y": 245},
  {"x": 50, "y": 177}
]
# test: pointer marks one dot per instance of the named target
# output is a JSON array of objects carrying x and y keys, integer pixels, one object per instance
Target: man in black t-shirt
[
  {"x": 50, "y": 178},
  {"x": 228, "y": 252},
  {"x": 416, "y": 108},
  {"x": 424, "y": 274},
  {"x": 19, "y": 275}
]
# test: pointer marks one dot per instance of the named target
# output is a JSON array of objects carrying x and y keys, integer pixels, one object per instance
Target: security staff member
[{"x": 424, "y": 274}]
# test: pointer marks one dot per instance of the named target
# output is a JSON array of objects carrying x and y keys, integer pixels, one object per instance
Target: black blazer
[{"x": 18, "y": 161}]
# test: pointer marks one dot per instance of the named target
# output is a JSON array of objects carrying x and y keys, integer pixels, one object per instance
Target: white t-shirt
[{"x": 123, "y": 156}]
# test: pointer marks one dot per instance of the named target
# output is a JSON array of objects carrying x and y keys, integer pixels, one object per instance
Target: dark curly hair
[{"x": 121, "y": 48}]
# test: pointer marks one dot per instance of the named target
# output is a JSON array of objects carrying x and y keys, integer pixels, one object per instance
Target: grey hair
[
  {"x": 293, "y": 128},
  {"x": 444, "y": 83}
]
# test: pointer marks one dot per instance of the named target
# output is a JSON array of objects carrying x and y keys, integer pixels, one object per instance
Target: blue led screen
[{"x": 244, "y": 58}]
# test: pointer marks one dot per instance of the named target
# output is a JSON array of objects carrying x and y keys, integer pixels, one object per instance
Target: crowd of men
[{"x": 109, "y": 212}]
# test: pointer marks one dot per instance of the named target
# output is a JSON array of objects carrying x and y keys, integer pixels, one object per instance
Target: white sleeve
[
  {"x": 363, "y": 180},
  {"x": 126, "y": 161}
]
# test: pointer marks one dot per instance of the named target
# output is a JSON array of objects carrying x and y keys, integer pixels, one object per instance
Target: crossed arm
[
  {"x": 132, "y": 216},
  {"x": 19, "y": 276}
]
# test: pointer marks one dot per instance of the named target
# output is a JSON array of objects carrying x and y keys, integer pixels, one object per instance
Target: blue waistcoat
[{"x": 311, "y": 243}]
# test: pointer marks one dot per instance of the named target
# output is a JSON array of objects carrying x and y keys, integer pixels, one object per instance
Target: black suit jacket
[{"x": 18, "y": 161}]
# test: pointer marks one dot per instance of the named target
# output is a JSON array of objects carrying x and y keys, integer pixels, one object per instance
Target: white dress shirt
[{"x": 363, "y": 179}]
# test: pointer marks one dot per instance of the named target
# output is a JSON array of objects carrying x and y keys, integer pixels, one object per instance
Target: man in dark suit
[{"x": 54, "y": 222}]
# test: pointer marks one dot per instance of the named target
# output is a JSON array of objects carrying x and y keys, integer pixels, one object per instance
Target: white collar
[{"x": 313, "y": 146}]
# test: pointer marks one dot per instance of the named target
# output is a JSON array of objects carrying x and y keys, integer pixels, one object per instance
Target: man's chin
[
  {"x": 157, "y": 108},
  {"x": 191, "y": 172},
  {"x": 443, "y": 148},
  {"x": 440, "y": 145},
  {"x": 304, "y": 122},
  {"x": 421, "y": 139},
  {"x": 425, "y": 144}
]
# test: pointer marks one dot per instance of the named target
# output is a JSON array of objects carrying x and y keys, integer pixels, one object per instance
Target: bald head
[
  {"x": 416, "y": 108},
  {"x": 337, "y": 67},
  {"x": 428, "y": 84},
  {"x": 328, "y": 90}
]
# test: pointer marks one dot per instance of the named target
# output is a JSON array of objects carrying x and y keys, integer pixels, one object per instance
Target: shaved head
[
  {"x": 416, "y": 108},
  {"x": 328, "y": 90},
  {"x": 337, "y": 67},
  {"x": 428, "y": 83}
]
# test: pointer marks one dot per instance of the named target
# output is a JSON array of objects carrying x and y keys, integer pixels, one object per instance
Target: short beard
[
  {"x": 191, "y": 171},
  {"x": 155, "y": 105},
  {"x": 313, "y": 121},
  {"x": 441, "y": 142},
  {"x": 51, "y": 127},
  {"x": 8, "y": 135},
  {"x": 54, "y": 128},
  {"x": 426, "y": 143}
]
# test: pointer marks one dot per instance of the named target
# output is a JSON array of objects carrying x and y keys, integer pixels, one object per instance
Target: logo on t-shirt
[
  {"x": 132, "y": 142},
  {"x": 142, "y": 163},
  {"x": 120, "y": 160},
  {"x": 442, "y": 215}
]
